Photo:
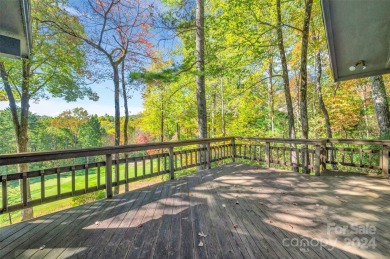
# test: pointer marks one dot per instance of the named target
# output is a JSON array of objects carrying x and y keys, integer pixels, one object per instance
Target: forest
[{"x": 262, "y": 75}]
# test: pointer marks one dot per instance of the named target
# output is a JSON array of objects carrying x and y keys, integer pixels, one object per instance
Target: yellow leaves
[{"x": 3, "y": 96}]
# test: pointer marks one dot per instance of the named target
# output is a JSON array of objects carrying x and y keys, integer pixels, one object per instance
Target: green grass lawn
[{"x": 66, "y": 186}]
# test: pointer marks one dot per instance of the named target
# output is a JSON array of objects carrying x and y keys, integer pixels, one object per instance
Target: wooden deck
[{"x": 245, "y": 211}]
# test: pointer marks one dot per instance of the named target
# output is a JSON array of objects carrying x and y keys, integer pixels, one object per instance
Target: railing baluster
[
  {"x": 186, "y": 159},
  {"x": 143, "y": 167},
  {"x": 109, "y": 176},
  {"x": 58, "y": 182},
  {"x": 42, "y": 185},
  {"x": 171, "y": 165},
  {"x": 233, "y": 150},
  {"x": 24, "y": 184},
  {"x": 73, "y": 180},
  {"x": 126, "y": 170},
  {"x": 267, "y": 155},
  {"x": 151, "y": 165},
  {"x": 4, "y": 192},
  {"x": 158, "y": 164},
  {"x": 86, "y": 177},
  {"x": 208, "y": 155},
  {"x": 317, "y": 166},
  {"x": 196, "y": 157},
  {"x": 117, "y": 177},
  {"x": 98, "y": 176},
  {"x": 385, "y": 161},
  {"x": 181, "y": 159},
  {"x": 135, "y": 169}
]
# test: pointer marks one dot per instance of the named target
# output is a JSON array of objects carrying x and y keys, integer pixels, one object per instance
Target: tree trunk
[
  {"x": 200, "y": 77},
  {"x": 21, "y": 128},
  {"x": 381, "y": 104},
  {"x": 162, "y": 122},
  {"x": 271, "y": 105},
  {"x": 329, "y": 133},
  {"x": 117, "y": 123},
  {"x": 364, "y": 99},
  {"x": 125, "y": 103},
  {"x": 286, "y": 83},
  {"x": 213, "y": 111},
  {"x": 117, "y": 105},
  {"x": 303, "y": 88},
  {"x": 223, "y": 110}
]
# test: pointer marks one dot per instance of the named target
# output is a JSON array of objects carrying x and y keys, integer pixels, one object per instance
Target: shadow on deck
[{"x": 245, "y": 211}]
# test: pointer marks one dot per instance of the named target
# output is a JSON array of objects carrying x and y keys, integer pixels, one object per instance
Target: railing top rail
[
  {"x": 18, "y": 158},
  {"x": 360, "y": 141},
  {"x": 318, "y": 141},
  {"x": 282, "y": 140}
]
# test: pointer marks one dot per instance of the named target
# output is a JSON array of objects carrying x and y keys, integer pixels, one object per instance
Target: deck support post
[
  {"x": 208, "y": 155},
  {"x": 171, "y": 164},
  {"x": 385, "y": 161},
  {"x": 109, "y": 176},
  {"x": 267, "y": 155},
  {"x": 233, "y": 150}
]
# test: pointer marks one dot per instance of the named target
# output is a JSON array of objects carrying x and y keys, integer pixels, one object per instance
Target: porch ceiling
[
  {"x": 358, "y": 33},
  {"x": 15, "y": 28}
]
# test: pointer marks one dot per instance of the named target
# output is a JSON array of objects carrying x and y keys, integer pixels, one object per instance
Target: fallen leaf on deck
[
  {"x": 201, "y": 234},
  {"x": 42, "y": 247},
  {"x": 200, "y": 243}
]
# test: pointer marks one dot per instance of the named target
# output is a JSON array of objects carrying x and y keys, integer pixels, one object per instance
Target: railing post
[
  {"x": 385, "y": 161},
  {"x": 324, "y": 155},
  {"x": 233, "y": 150},
  {"x": 109, "y": 176},
  {"x": 208, "y": 155},
  {"x": 267, "y": 155},
  {"x": 317, "y": 165},
  {"x": 171, "y": 164}
]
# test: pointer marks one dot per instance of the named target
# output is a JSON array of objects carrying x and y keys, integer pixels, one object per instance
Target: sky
[{"x": 105, "y": 105}]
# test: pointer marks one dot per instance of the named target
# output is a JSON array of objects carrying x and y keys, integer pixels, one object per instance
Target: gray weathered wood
[
  {"x": 109, "y": 176},
  {"x": 171, "y": 163},
  {"x": 385, "y": 161}
]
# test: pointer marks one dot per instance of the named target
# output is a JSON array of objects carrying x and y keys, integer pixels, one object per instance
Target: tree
[
  {"x": 50, "y": 71},
  {"x": 381, "y": 104},
  {"x": 72, "y": 122},
  {"x": 91, "y": 133},
  {"x": 118, "y": 30},
  {"x": 200, "y": 76}
]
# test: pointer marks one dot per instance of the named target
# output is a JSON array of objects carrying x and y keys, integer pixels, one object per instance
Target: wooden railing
[
  {"x": 112, "y": 167},
  {"x": 168, "y": 157},
  {"x": 322, "y": 154}
]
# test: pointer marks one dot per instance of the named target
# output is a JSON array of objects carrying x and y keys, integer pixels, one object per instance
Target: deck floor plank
[{"x": 245, "y": 211}]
